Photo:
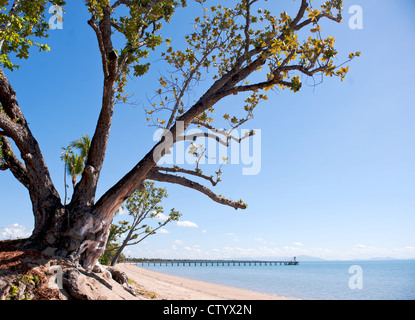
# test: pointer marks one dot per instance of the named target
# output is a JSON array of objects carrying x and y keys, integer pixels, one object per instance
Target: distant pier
[{"x": 215, "y": 262}]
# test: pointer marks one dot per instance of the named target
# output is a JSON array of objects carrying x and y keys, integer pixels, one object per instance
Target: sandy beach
[{"x": 165, "y": 286}]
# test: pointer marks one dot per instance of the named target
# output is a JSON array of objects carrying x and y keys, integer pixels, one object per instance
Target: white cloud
[
  {"x": 194, "y": 252},
  {"x": 204, "y": 231},
  {"x": 359, "y": 246},
  {"x": 299, "y": 244},
  {"x": 262, "y": 240},
  {"x": 233, "y": 236},
  {"x": 122, "y": 211},
  {"x": 187, "y": 224},
  {"x": 163, "y": 231},
  {"x": 161, "y": 217},
  {"x": 181, "y": 249},
  {"x": 14, "y": 231}
]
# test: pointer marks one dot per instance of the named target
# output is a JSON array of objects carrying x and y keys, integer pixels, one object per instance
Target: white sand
[{"x": 176, "y": 288}]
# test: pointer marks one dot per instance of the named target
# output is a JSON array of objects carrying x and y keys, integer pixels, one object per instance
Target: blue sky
[{"x": 337, "y": 177}]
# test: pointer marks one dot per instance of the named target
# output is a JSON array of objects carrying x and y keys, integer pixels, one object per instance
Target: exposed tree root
[{"x": 38, "y": 275}]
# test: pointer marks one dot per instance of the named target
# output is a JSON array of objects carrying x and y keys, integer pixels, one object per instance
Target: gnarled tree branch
[
  {"x": 162, "y": 177},
  {"x": 177, "y": 169},
  {"x": 13, "y": 163}
]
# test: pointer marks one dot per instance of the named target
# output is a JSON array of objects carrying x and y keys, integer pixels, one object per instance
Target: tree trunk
[
  {"x": 81, "y": 240},
  {"x": 117, "y": 254},
  {"x": 121, "y": 248},
  {"x": 76, "y": 230},
  {"x": 80, "y": 229}
]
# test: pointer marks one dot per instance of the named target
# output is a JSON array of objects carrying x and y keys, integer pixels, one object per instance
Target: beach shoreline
[{"x": 164, "y": 286}]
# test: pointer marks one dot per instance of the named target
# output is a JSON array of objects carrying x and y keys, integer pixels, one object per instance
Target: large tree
[{"x": 250, "y": 51}]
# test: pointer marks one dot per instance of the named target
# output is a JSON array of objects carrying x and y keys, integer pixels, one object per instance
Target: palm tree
[
  {"x": 75, "y": 167},
  {"x": 82, "y": 144},
  {"x": 76, "y": 162}
]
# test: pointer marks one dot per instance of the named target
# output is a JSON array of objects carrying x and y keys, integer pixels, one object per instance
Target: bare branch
[
  {"x": 300, "y": 14},
  {"x": 304, "y": 70},
  {"x": 98, "y": 34},
  {"x": 196, "y": 135},
  {"x": 157, "y": 176},
  {"x": 11, "y": 162},
  {"x": 186, "y": 171},
  {"x": 216, "y": 132},
  {"x": 187, "y": 83}
]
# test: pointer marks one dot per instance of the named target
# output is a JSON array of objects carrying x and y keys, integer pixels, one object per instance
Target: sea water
[{"x": 338, "y": 280}]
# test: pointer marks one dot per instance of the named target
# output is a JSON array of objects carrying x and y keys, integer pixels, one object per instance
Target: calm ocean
[{"x": 381, "y": 280}]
